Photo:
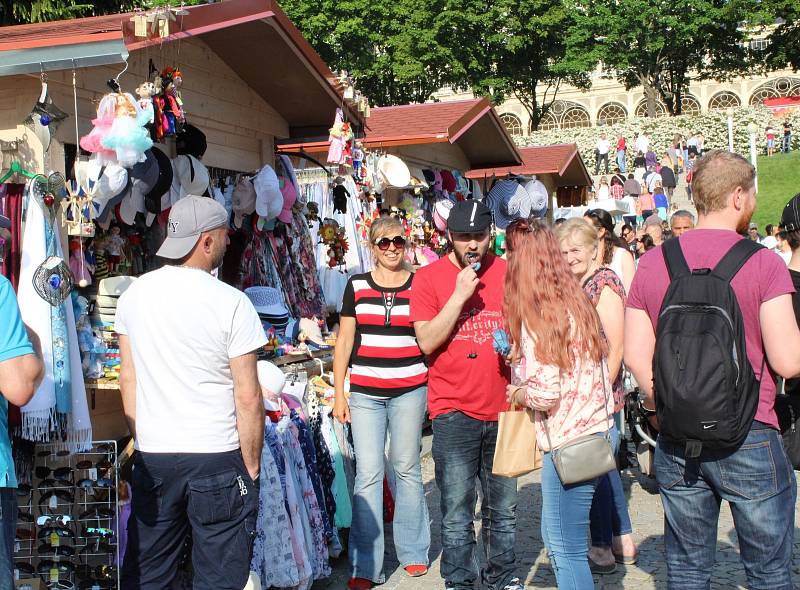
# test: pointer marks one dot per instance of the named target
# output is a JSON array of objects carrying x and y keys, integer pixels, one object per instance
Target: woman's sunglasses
[
  {"x": 43, "y": 471},
  {"x": 398, "y": 241}
]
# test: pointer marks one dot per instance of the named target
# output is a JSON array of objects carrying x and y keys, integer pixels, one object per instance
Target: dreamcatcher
[
  {"x": 52, "y": 280},
  {"x": 45, "y": 117}
]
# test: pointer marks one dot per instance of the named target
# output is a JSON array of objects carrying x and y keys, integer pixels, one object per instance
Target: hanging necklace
[{"x": 388, "y": 304}]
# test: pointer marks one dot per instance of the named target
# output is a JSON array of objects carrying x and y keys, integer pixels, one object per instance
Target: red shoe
[
  {"x": 416, "y": 570},
  {"x": 360, "y": 584}
]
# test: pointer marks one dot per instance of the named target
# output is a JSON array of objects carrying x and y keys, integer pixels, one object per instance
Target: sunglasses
[
  {"x": 97, "y": 513},
  {"x": 63, "y": 567},
  {"x": 102, "y": 464},
  {"x": 90, "y": 484},
  {"x": 46, "y": 453},
  {"x": 60, "y": 531},
  {"x": 55, "y": 483},
  {"x": 52, "y": 498},
  {"x": 43, "y": 471},
  {"x": 398, "y": 241},
  {"x": 61, "y": 550},
  {"x": 53, "y": 520},
  {"x": 100, "y": 532}
]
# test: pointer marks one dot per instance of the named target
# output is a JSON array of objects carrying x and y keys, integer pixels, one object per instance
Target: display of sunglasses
[
  {"x": 97, "y": 513},
  {"x": 100, "y": 482},
  {"x": 63, "y": 567},
  {"x": 49, "y": 453},
  {"x": 48, "y": 549},
  {"x": 55, "y": 483},
  {"x": 43, "y": 471},
  {"x": 398, "y": 241},
  {"x": 24, "y": 567},
  {"x": 98, "y": 548},
  {"x": 90, "y": 531},
  {"x": 99, "y": 448},
  {"x": 61, "y": 531},
  {"x": 54, "y": 519}
]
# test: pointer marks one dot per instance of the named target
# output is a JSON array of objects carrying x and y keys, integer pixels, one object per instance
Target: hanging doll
[
  {"x": 126, "y": 137},
  {"x": 81, "y": 270},
  {"x": 93, "y": 142},
  {"x": 340, "y": 136},
  {"x": 114, "y": 245},
  {"x": 100, "y": 261},
  {"x": 160, "y": 123},
  {"x": 340, "y": 196},
  {"x": 145, "y": 92},
  {"x": 171, "y": 80}
]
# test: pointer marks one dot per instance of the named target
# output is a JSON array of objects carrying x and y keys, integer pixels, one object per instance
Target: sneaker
[
  {"x": 415, "y": 570},
  {"x": 360, "y": 584},
  {"x": 514, "y": 584}
]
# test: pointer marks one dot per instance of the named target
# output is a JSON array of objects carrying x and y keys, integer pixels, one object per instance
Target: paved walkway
[{"x": 533, "y": 566}]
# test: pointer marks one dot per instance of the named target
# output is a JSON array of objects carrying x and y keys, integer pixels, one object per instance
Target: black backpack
[{"x": 706, "y": 390}]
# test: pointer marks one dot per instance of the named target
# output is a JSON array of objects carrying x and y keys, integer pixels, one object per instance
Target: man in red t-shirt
[
  {"x": 456, "y": 305},
  {"x": 756, "y": 478}
]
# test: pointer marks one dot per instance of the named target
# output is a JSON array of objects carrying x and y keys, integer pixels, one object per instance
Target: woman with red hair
[{"x": 560, "y": 353}]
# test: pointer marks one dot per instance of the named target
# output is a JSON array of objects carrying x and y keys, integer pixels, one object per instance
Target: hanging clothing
[{"x": 11, "y": 199}]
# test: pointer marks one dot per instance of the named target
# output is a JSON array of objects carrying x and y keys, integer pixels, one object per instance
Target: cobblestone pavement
[{"x": 646, "y": 514}]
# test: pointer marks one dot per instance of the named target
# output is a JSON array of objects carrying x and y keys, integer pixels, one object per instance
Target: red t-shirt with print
[{"x": 475, "y": 386}]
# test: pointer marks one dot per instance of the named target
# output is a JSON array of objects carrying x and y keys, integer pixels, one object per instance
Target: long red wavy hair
[{"x": 542, "y": 294}]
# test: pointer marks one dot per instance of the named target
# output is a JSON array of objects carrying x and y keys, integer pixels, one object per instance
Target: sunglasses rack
[{"x": 67, "y": 529}]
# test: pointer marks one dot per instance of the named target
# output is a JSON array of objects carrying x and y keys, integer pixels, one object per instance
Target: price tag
[
  {"x": 53, "y": 503},
  {"x": 55, "y": 540},
  {"x": 17, "y": 547},
  {"x": 163, "y": 27},
  {"x": 54, "y": 575},
  {"x": 140, "y": 25},
  {"x": 93, "y": 474}
]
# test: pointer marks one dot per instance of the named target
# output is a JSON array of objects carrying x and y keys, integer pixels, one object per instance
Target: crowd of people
[{"x": 577, "y": 308}]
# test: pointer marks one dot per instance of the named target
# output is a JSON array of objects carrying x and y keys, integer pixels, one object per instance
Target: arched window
[
  {"x": 548, "y": 122},
  {"x": 641, "y": 109},
  {"x": 512, "y": 123},
  {"x": 778, "y": 88},
  {"x": 611, "y": 113},
  {"x": 575, "y": 116},
  {"x": 690, "y": 105},
  {"x": 724, "y": 100}
]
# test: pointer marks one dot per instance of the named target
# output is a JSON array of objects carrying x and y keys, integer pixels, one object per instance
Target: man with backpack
[{"x": 708, "y": 324}]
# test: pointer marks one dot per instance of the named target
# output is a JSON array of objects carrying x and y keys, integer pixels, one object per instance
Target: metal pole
[
  {"x": 753, "y": 156},
  {"x": 730, "y": 133}
]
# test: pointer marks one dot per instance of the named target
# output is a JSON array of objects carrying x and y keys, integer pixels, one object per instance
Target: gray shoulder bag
[{"x": 585, "y": 457}]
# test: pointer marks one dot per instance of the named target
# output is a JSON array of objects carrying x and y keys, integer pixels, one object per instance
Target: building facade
[{"x": 607, "y": 102}]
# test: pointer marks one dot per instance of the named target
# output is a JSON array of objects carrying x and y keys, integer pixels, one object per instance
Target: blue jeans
[
  {"x": 621, "y": 160},
  {"x": 759, "y": 484},
  {"x": 8, "y": 528},
  {"x": 463, "y": 449},
  {"x": 565, "y": 518},
  {"x": 609, "y": 515},
  {"x": 787, "y": 143},
  {"x": 370, "y": 416}
]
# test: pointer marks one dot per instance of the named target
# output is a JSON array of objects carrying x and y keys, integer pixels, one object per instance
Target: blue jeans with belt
[
  {"x": 609, "y": 515},
  {"x": 402, "y": 417},
  {"x": 759, "y": 484},
  {"x": 463, "y": 449}
]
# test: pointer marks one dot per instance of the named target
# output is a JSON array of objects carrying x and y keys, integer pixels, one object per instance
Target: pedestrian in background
[
  {"x": 613, "y": 251},
  {"x": 621, "y": 151},
  {"x": 680, "y": 222},
  {"x": 601, "y": 153}
]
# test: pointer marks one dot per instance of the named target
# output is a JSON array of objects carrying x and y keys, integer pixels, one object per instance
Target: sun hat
[
  {"x": 267, "y": 300},
  {"x": 243, "y": 200},
  {"x": 505, "y": 192},
  {"x": 153, "y": 198},
  {"x": 312, "y": 332},
  {"x": 191, "y": 177},
  {"x": 418, "y": 178},
  {"x": 106, "y": 184},
  {"x": 289, "y": 193},
  {"x": 469, "y": 217},
  {"x": 269, "y": 200},
  {"x": 191, "y": 141},
  {"x": 270, "y": 378},
  {"x": 107, "y": 301},
  {"x": 114, "y": 286},
  {"x": 143, "y": 177},
  {"x": 190, "y": 217},
  {"x": 393, "y": 172},
  {"x": 462, "y": 184},
  {"x": 790, "y": 218},
  {"x": 441, "y": 211},
  {"x": 538, "y": 197}
]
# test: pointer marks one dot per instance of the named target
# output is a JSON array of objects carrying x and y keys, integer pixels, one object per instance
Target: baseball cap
[
  {"x": 469, "y": 217},
  {"x": 790, "y": 219},
  {"x": 753, "y": 226},
  {"x": 5, "y": 222},
  {"x": 188, "y": 218}
]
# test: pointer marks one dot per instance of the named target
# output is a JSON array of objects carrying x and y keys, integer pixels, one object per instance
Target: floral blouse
[
  {"x": 593, "y": 287},
  {"x": 571, "y": 400}
]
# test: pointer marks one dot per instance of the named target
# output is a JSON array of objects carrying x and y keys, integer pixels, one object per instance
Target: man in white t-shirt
[
  {"x": 601, "y": 153},
  {"x": 642, "y": 143},
  {"x": 190, "y": 393}
]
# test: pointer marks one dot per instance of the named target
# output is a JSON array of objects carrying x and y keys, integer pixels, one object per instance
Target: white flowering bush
[{"x": 713, "y": 125}]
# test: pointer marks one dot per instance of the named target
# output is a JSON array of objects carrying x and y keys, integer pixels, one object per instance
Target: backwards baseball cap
[
  {"x": 469, "y": 217},
  {"x": 790, "y": 219},
  {"x": 188, "y": 218}
]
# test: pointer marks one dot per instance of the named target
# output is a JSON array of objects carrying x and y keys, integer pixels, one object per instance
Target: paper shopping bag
[{"x": 516, "y": 452}]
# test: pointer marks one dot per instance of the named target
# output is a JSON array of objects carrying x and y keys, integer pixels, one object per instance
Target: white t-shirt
[
  {"x": 603, "y": 146},
  {"x": 770, "y": 242},
  {"x": 642, "y": 144},
  {"x": 184, "y": 326}
]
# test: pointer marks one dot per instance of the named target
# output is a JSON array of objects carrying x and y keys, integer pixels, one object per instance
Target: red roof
[
  {"x": 561, "y": 160},
  {"x": 64, "y": 32}
]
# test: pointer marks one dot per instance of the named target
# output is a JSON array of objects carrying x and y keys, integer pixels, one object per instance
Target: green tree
[
  {"x": 390, "y": 48},
  {"x": 662, "y": 45},
  {"x": 37, "y": 11},
  {"x": 520, "y": 48},
  {"x": 784, "y": 47}
]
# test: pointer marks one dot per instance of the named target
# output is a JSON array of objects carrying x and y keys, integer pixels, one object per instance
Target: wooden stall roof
[{"x": 561, "y": 161}]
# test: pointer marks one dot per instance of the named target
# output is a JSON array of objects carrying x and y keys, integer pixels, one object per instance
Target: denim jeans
[
  {"x": 609, "y": 515},
  {"x": 463, "y": 450},
  {"x": 403, "y": 415},
  {"x": 565, "y": 518},
  {"x": 759, "y": 484},
  {"x": 786, "y": 144},
  {"x": 621, "y": 160},
  {"x": 8, "y": 527}
]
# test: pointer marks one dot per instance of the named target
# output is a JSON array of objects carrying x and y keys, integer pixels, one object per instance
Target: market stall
[{"x": 105, "y": 123}]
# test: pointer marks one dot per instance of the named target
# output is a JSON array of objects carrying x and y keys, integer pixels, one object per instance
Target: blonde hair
[
  {"x": 716, "y": 175},
  {"x": 577, "y": 231},
  {"x": 384, "y": 227}
]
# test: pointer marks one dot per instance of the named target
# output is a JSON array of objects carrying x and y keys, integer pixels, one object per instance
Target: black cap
[
  {"x": 469, "y": 217},
  {"x": 790, "y": 220}
]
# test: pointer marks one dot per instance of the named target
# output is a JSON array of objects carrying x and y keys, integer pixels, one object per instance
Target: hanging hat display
[{"x": 392, "y": 171}]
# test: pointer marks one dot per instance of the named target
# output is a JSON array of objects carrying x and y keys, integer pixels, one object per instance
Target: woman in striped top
[{"x": 388, "y": 385}]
